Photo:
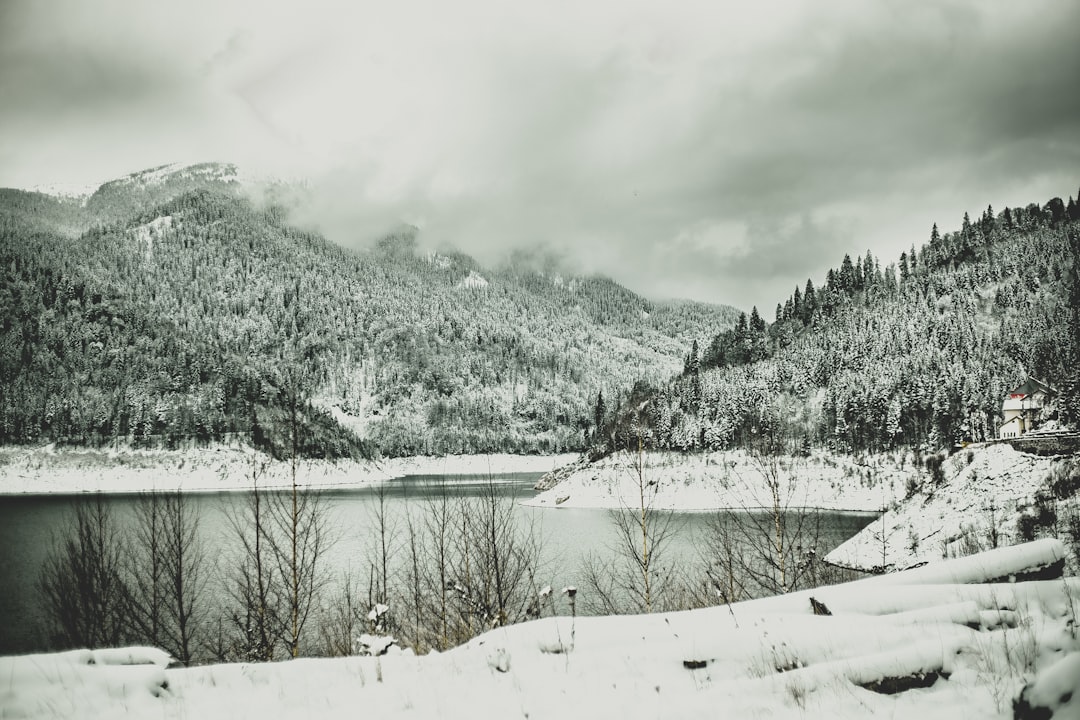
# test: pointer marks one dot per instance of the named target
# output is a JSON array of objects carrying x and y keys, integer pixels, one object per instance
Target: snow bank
[
  {"x": 1000, "y": 564},
  {"x": 765, "y": 658},
  {"x": 1055, "y": 692},
  {"x": 225, "y": 468},
  {"x": 81, "y": 683}
]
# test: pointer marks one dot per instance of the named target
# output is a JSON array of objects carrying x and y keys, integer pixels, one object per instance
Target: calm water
[{"x": 29, "y": 525}]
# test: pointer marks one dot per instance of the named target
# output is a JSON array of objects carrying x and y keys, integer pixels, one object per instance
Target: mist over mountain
[{"x": 177, "y": 306}]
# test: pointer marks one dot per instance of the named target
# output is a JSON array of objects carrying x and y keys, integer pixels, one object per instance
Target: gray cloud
[{"x": 685, "y": 150}]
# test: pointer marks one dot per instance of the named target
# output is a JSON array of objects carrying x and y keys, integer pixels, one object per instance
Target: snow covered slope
[{"x": 983, "y": 491}]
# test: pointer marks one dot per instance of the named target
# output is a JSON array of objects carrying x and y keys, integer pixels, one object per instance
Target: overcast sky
[{"x": 709, "y": 150}]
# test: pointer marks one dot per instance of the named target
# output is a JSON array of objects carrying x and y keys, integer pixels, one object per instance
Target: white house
[{"x": 1022, "y": 407}]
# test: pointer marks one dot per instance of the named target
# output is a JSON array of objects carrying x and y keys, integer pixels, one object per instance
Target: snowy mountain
[
  {"x": 913, "y": 354},
  {"x": 171, "y": 308}
]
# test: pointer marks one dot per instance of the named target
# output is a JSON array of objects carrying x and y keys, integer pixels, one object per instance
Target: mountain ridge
[{"x": 173, "y": 308}]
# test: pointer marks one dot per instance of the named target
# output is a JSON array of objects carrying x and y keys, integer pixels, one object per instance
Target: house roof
[{"x": 1032, "y": 386}]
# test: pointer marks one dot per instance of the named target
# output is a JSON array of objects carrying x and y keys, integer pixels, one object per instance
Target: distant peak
[{"x": 222, "y": 172}]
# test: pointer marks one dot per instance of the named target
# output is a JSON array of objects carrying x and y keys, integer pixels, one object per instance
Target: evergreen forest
[
  {"x": 171, "y": 309},
  {"x": 918, "y": 353}
]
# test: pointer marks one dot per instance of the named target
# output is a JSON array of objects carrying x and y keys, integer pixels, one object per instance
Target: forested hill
[
  {"x": 167, "y": 308},
  {"x": 917, "y": 354}
]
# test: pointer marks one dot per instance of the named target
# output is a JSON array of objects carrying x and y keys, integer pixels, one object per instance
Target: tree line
[{"x": 914, "y": 355}]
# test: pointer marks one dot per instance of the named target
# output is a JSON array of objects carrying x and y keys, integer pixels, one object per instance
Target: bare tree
[
  {"x": 500, "y": 559},
  {"x": 299, "y": 541},
  {"x": 769, "y": 545},
  {"x": 417, "y": 579},
  {"x": 342, "y": 617},
  {"x": 81, "y": 581},
  {"x": 251, "y": 582},
  {"x": 185, "y": 573},
  {"x": 466, "y": 565},
  {"x": 146, "y": 569},
  {"x": 432, "y": 585},
  {"x": 382, "y": 549},
  {"x": 167, "y": 576},
  {"x": 638, "y": 580}
]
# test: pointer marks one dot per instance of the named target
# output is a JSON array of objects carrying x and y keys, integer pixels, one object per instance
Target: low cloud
[{"x": 683, "y": 150}]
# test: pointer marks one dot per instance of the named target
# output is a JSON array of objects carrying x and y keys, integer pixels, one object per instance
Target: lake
[{"x": 30, "y": 525}]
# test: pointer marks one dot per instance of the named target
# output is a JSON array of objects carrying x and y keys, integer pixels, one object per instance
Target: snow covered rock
[
  {"x": 374, "y": 645},
  {"x": 132, "y": 656},
  {"x": 1054, "y": 693}
]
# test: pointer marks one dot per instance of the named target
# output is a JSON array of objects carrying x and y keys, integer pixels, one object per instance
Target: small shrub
[
  {"x": 934, "y": 467},
  {"x": 913, "y": 541},
  {"x": 1065, "y": 481},
  {"x": 1026, "y": 527},
  {"x": 993, "y": 531},
  {"x": 797, "y": 692},
  {"x": 1046, "y": 510},
  {"x": 968, "y": 542},
  {"x": 1038, "y": 519}
]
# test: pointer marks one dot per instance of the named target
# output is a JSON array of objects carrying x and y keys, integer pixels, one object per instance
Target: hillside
[
  {"x": 167, "y": 309},
  {"x": 915, "y": 354}
]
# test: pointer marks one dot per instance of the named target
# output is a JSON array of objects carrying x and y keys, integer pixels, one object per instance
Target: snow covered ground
[
  {"x": 226, "y": 468},
  {"x": 733, "y": 479},
  {"x": 983, "y": 490},
  {"x": 932, "y": 643}
]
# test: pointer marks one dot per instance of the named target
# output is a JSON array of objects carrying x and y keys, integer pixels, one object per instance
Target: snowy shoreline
[
  {"x": 728, "y": 481},
  {"x": 982, "y": 492},
  {"x": 46, "y": 470},
  {"x": 921, "y": 522}
]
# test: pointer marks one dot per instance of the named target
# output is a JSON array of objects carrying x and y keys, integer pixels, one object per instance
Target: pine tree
[
  {"x": 847, "y": 279},
  {"x": 758, "y": 344},
  {"x": 692, "y": 364},
  {"x": 739, "y": 351},
  {"x": 870, "y": 270},
  {"x": 809, "y": 302},
  {"x": 599, "y": 414}
]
